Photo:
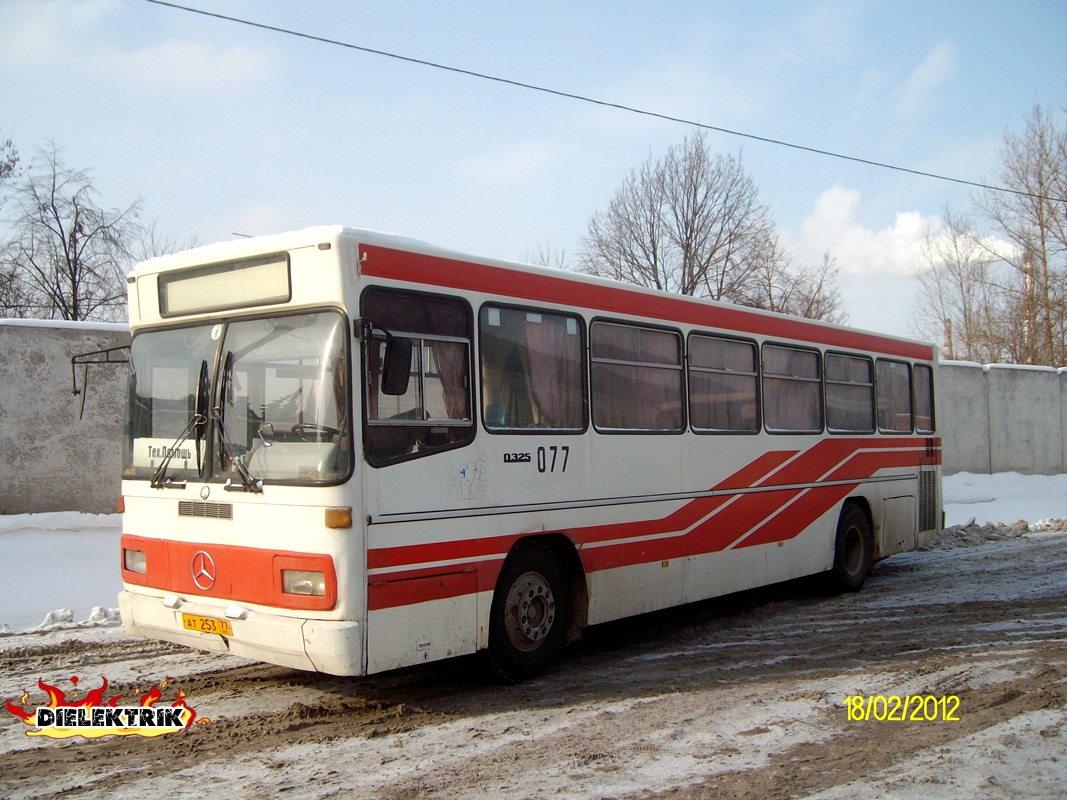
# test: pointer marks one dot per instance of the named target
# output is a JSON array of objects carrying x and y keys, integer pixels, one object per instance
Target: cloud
[
  {"x": 917, "y": 93},
  {"x": 60, "y": 36},
  {"x": 185, "y": 65},
  {"x": 518, "y": 162},
  {"x": 834, "y": 226}
]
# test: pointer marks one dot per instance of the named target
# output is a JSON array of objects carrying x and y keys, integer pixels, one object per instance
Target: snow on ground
[
  {"x": 61, "y": 569},
  {"x": 55, "y": 569},
  {"x": 1005, "y": 497}
]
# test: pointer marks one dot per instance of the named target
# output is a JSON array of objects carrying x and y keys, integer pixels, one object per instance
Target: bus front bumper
[{"x": 333, "y": 647}]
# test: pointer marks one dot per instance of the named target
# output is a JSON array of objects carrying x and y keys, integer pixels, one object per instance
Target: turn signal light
[{"x": 338, "y": 517}]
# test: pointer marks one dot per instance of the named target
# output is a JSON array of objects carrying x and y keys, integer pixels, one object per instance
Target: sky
[{"x": 224, "y": 129}]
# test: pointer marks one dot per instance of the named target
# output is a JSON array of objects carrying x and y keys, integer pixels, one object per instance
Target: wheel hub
[{"x": 530, "y": 611}]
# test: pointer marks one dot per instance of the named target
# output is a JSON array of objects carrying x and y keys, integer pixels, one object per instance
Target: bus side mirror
[{"x": 396, "y": 371}]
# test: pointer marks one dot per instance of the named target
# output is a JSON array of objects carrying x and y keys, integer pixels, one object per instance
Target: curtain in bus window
[
  {"x": 448, "y": 361},
  {"x": 791, "y": 390},
  {"x": 923, "y": 377},
  {"x": 554, "y": 345},
  {"x": 722, "y": 385},
  {"x": 894, "y": 396},
  {"x": 849, "y": 394},
  {"x": 531, "y": 370},
  {"x": 637, "y": 378}
]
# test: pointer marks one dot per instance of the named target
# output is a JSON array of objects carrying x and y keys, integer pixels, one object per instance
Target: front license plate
[{"x": 192, "y": 622}]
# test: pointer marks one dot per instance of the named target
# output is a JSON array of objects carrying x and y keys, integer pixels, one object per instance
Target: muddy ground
[{"x": 742, "y": 697}]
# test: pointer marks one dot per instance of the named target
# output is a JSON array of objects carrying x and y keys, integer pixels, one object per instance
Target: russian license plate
[{"x": 193, "y": 622}]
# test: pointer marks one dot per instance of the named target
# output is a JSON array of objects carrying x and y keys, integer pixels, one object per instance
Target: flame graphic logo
[{"x": 93, "y": 717}]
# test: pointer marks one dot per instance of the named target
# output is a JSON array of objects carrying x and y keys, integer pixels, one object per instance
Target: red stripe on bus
[
  {"x": 471, "y": 276},
  {"x": 391, "y": 557},
  {"x": 797, "y": 517},
  {"x": 766, "y": 516}
]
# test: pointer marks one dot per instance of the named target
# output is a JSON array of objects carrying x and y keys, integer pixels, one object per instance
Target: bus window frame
[
  {"x": 689, "y": 368},
  {"x": 584, "y": 371},
  {"x": 826, "y": 390},
  {"x": 818, "y": 380},
  {"x": 364, "y": 394},
  {"x": 911, "y": 399},
  {"x": 932, "y": 399},
  {"x": 681, "y": 368}
]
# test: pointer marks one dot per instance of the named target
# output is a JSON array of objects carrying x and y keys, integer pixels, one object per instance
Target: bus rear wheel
[
  {"x": 853, "y": 550},
  {"x": 528, "y": 618}
]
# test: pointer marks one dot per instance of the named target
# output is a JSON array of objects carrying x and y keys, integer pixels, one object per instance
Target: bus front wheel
[
  {"x": 528, "y": 618},
  {"x": 853, "y": 550}
]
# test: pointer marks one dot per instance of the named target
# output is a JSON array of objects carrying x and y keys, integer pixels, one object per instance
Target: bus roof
[{"x": 388, "y": 255}]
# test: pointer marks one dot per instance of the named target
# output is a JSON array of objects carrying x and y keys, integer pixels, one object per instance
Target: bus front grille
[{"x": 192, "y": 508}]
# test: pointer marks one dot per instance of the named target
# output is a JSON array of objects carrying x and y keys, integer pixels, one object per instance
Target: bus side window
[
  {"x": 723, "y": 385},
  {"x": 792, "y": 390},
  {"x": 849, "y": 394},
  {"x": 894, "y": 396},
  {"x": 533, "y": 375},
  {"x": 637, "y": 379},
  {"x": 434, "y": 411},
  {"x": 923, "y": 387}
]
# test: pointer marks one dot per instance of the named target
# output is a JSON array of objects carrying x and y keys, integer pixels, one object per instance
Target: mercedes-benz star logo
[{"x": 203, "y": 568}]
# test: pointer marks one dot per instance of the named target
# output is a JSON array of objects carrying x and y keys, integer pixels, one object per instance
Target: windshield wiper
[
  {"x": 197, "y": 422},
  {"x": 159, "y": 478},
  {"x": 248, "y": 482}
]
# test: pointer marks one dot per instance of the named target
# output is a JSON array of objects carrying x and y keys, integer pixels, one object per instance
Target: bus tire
[
  {"x": 529, "y": 616},
  {"x": 853, "y": 550}
]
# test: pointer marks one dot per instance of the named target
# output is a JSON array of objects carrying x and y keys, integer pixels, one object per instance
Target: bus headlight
[
  {"x": 134, "y": 561},
  {"x": 306, "y": 582}
]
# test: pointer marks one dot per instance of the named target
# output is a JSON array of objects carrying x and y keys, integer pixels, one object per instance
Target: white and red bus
[{"x": 350, "y": 452}]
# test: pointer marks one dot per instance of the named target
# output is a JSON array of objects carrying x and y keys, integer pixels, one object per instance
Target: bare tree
[
  {"x": 150, "y": 241},
  {"x": 9, "y": 160},
  {"x": 12, "y": 301},
  {"x": 962, "y": 300},
  {"x": 693, "y": 223},
  {"x": 780, "y": 286},
  {"x": 545, "y": 255},
  {"x": 1000, "y": 294},
  {"x": 67, "y": 254},
  {"x": 1034, "y": 221},
  {"x": 688, "y": 223}
]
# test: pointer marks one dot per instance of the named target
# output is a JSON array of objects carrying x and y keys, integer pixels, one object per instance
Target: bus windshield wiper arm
[
  {"x": 248, "y": 483},
  {"x": 159, "y": 478}
]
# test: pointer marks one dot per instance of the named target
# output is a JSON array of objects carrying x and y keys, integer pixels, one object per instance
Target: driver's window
[{"x": 434, "y": 412}]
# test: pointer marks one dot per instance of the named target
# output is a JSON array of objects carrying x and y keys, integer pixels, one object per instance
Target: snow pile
[
  {"x": 999, "y": 498},
  {"x": 59, "y": 570}
]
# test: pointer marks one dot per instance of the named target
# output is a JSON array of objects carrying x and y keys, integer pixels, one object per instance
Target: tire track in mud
[
  {"x": 28, "y": 658},
  {"x": 76, "y": 767},
  {"x": 863, "y": 748}
]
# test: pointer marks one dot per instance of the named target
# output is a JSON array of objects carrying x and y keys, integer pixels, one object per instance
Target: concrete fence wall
[
  {"x": 50, "y": 460},
  {"x": 991, "y": 418},
  {"x": 1002, "y": 418}
]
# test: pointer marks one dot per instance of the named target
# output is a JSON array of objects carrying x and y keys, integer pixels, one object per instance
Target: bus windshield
[{"x": 279, "y": 409}]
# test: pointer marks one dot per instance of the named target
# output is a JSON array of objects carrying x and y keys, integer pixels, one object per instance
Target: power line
[{"x": 603, "y": 103}]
